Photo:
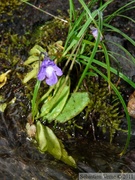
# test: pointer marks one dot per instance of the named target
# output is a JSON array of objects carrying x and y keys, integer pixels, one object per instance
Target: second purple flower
[
  {"x": 49, "y": 71},
  {"x": 94, "y": 32}
]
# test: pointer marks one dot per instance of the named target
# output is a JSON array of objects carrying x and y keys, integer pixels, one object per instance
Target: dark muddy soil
[{"x": 19, "y": 158}]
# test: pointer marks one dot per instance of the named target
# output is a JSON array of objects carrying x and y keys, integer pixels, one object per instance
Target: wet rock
[
  {"x": 84, "y": 168},
  {"x": 12, "y": 168},
  {"x": 25, "y": 18},
  {"x": 130, "y": 160},
  {"x": 122, "y": 61}
]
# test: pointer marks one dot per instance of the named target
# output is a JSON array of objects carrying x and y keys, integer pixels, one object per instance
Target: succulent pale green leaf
[
  {"x": 53, "y": 89},
  {"x": 60, "y": 84},
  {"x": 65, "y": 158},
  {"x": 41, "y": 137},
  {"x": 36, "y": 50},
  {"x": 53, "y": 107},
  {"x": 31, "y": 74},
  {"x": 76, "y": 103},
  {"x": 47, "y": 141},
  {"x": 53, "y": 145},
  {"x": 31, "y": 59},
  {"x": 58, "y": 105}
]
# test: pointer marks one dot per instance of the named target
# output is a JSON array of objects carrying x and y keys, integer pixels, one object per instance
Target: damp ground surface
[{"x": 19, "y": 158}]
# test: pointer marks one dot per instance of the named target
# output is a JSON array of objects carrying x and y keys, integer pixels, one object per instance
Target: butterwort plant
[
  {"x": 47, "y": 105},
  {"x": 49, "y": 73}
]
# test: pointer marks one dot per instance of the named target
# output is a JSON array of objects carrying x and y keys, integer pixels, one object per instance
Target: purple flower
[
  {"x": 49, "y": 71},
  {"x": 94, "y": 32}
]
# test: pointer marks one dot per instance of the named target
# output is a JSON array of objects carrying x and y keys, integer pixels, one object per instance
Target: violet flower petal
[
  {"x": 49, "y": 71},
  {"x": 41, "y": 75},
  {"x": 52, "y": 80},
  {"x": 46, "y": 62},
  {"x": 57, "y": 70},
  {"x": 94, "y": 32}
]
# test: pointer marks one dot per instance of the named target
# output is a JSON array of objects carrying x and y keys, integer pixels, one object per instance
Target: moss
[
  {"x": 13, "y": 47},
  {"x": 8, "y": 6},
  {"x": 105, "y": 108},
  {"x": 51, "y": 37}
]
